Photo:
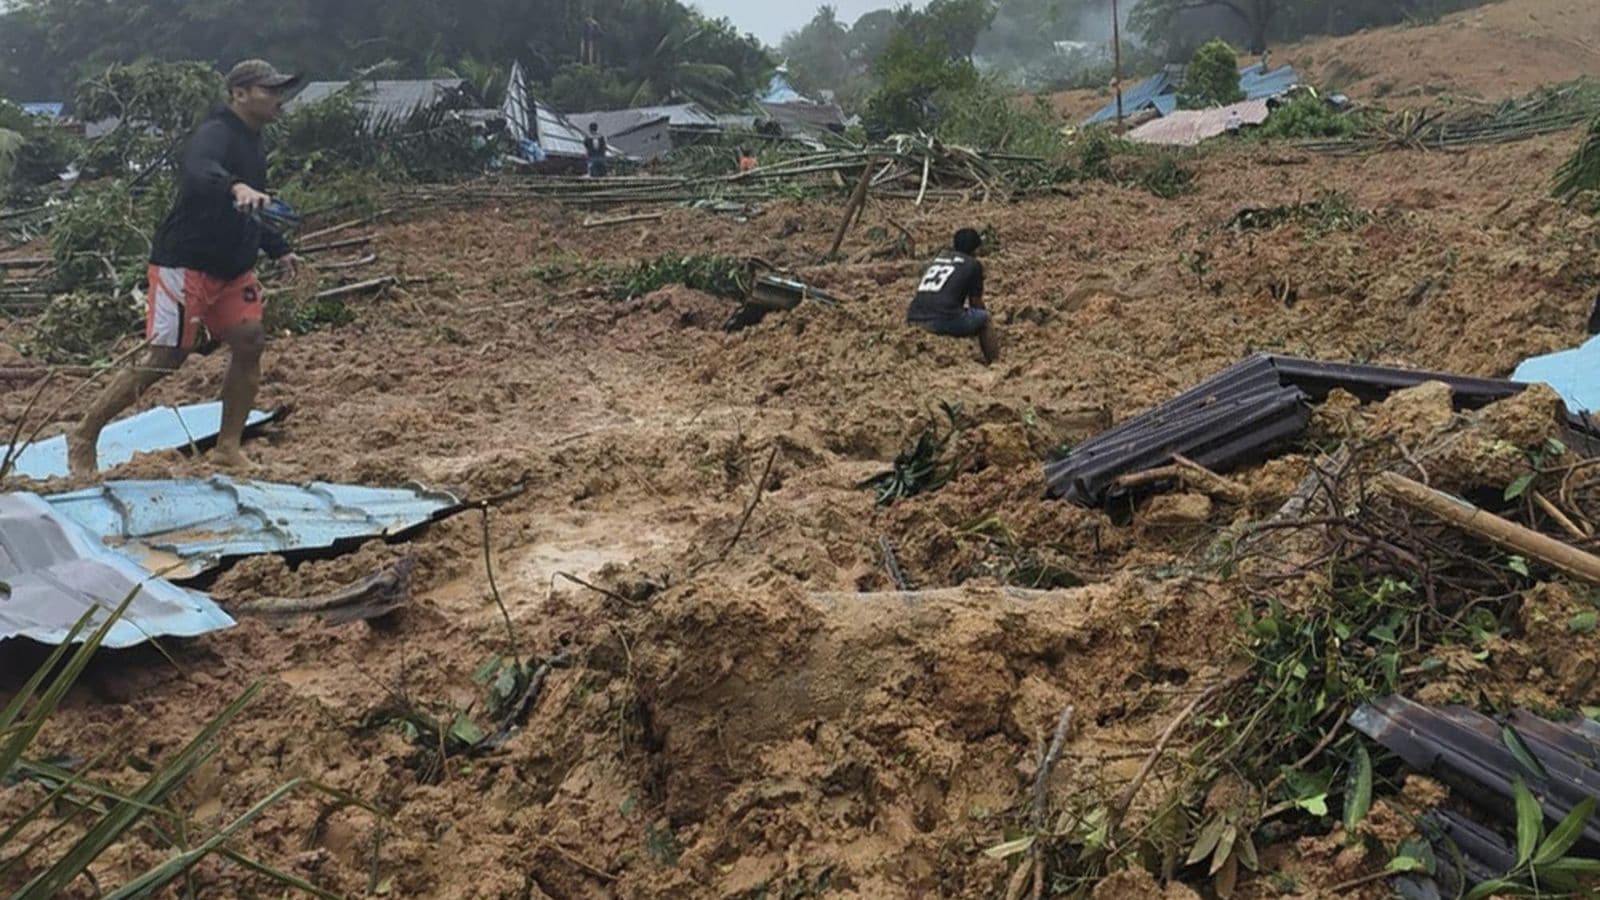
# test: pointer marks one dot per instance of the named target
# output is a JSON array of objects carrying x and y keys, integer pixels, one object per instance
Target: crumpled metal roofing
[
  {"x": 529, "y": 118},
  {"x": 1160, "y": 91},
  {"x": 1471, "y": 753},
  {"x": 52, "y": 572},
  {"x": 1574, "y": 374},
  {"x": 188, "y": 527},
  {"x": 1188, "y": 127},
  {"x": 387, "y": 100},
  {"x": 1237, "y": 414},
  {"x": 163, "y": 428}
]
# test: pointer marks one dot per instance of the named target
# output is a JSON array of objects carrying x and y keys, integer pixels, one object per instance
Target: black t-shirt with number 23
[{"x": 946, "y": 284}]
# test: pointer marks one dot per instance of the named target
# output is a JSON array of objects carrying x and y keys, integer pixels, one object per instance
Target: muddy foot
[
  {"x": 81, "y": 457},
  {"x": 232, "y": 459}
]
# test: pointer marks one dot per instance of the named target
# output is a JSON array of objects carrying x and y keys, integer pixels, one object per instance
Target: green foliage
[
  {"x": 329, "y": 140},
  {"x": 81, "y": 325},
  {"x": 1172, "y": 25},
  {"x": 910, "y": 74},
  {"x": 1308, "y": 116},
  {"x": 922, "y": 466},
  {"x": 48, "y": 45},
  {"x": 101, "y": 237},
  {"x": 1212, "y": 77},
  {"x": 724, "y": 276},
  {"x": 33, "y": 152},
  {"x": 1543, "y": 867},
  {"x": 36, "y": 841},
  {"x": 986, "y": 116},
  {"x": 578, "y": 87},
  {"x": 155, "y": 104},
  {"x": 1099, "y": 155},
  {"x": 1331, "y": 211},
  {"x": 1581, "y": 171}
]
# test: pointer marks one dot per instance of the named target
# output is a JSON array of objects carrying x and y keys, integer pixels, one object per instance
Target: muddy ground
[{"x": 754, "y": 717}]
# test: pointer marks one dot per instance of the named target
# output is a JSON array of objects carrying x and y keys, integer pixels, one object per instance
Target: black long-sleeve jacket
[{"x": 203, "y": 231}]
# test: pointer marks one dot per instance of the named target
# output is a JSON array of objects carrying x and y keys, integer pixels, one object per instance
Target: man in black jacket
[{"x": 201, "y": 265}]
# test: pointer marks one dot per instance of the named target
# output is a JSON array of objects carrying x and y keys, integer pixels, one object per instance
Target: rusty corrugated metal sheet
[{"x": 1188, "y": 127}]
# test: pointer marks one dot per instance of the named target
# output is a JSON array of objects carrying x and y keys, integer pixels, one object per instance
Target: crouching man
[{"x": 949, "y": 299}]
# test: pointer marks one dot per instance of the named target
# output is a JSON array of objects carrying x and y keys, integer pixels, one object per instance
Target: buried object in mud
[
  {"x": 1238, "y": 415},
  {"x": 774, "y": 293},
  {"x": 162, "y": 428},
  {"x": 370, "y": 598}
]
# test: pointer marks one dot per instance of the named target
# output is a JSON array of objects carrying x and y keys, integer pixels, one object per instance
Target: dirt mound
[{"x": 1493, "y": 52}]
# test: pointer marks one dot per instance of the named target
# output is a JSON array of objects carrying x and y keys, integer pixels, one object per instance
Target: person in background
[
  {"x": 747, "y": 159},
  {"x": 594, "y": 147},
  {"x": 202, "y": 262},
  {"x": 949, "y": 299}
]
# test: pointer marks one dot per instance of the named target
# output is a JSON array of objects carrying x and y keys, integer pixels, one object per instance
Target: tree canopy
[{"x": 648, "y": 50}]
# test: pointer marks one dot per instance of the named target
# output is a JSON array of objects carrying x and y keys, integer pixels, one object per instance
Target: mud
[{"x": 736, "y": 717}]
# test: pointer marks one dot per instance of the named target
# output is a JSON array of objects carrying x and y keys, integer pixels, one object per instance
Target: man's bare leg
[
  {"x": 121, "y": 393},
  {"x": 245, "y": 343},
  {"x": 989, "y": 343}
]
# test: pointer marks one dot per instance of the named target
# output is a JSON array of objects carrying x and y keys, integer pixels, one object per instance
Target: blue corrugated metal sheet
[
  {"x": 1157, "y": 87},
  {"x": 44, "y": 110},
  {"x": 1259, "y": 84},
  {"x": 779, "y": 90},
  {"x": 52, "y": 572},
  {"x": 1160, "y": 91},
  {"x": 1575, "y": 375},
  {"x": 163, "y": 428},
  {"x": 201, "y": 523}
]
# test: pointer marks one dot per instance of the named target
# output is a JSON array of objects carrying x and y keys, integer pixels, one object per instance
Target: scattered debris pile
[
  {"x": 1236, "y": 416},
  {"x": 1545, "y": 111}
]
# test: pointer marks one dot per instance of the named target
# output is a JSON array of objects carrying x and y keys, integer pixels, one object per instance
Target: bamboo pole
[
  {"x": 1509, "y": 535},
  {"x": 857, "y": 198}
]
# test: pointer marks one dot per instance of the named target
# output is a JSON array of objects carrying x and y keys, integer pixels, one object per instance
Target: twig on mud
[
  {"x": 593, "y": 587},
  {"x": 1041, "y": 783},
  {"x": 1120, "y": 808},
  {"x": 567, "y": 855},
  {"x": 494, "y": 589},
  {"x": 1041, "y": 778},
  {"x": 1560, "y": 517},
  {"x": 1353, "y": 883},
  {"x": 761, "y": 487},
  {"x": 891, "y": 563}
]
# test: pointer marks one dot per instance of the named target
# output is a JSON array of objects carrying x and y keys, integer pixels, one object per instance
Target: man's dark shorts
[{"x": 966, "y": 323}]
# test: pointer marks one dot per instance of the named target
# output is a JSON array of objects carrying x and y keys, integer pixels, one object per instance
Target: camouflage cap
[{"x": 254, "y": 72}]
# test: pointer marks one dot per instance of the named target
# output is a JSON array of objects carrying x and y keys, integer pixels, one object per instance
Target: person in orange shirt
[{"x": 747, "y": 160}]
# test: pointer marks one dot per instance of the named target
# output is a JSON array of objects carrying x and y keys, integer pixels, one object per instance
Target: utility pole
[{"x": 1116, "y": 52}]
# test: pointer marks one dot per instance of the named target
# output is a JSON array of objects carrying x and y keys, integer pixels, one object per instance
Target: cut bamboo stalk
[
  {"x": 857, "y": 198},
  {"x": 1508, "y": 535}
]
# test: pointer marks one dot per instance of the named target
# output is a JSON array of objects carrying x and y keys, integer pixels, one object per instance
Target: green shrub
[
  {"x": 1212, "y": 77},
  {"x": 985, "y": 116},
  {"x": 1308, "y": 116}
]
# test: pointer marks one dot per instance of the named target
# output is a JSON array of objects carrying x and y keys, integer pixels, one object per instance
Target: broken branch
[{"x": 1509, "y": 535}]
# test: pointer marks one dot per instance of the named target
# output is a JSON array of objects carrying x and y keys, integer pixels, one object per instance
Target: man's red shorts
[{"x": 181, "y": 300}]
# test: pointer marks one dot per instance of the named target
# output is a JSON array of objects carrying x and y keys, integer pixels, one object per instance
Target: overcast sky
[{"x": 770, "y": 19}]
